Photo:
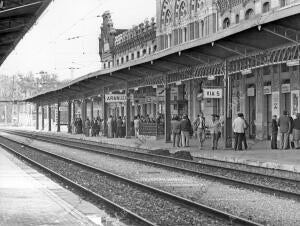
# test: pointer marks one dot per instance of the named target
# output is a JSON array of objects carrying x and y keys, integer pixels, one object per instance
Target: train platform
[
  {"x": 259, "y": 153},
  {"x": 29, "y": 198}
]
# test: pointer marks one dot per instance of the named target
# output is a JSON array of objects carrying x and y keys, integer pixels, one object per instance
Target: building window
[
  {"x": 249, "y": 14},
  {"x": 127, "y": 58},
  {"x": 104, "y": 65},
  {"x": 168, "y": 17},
  {"x": 184, "y": 34},
  {"x": 284, "y": 68},
  {"x": 154, "y": 48},
  {"x": 226, "y": 23},
  {"x": 237, "y": 18},
  {"x": 138, "y": 54},
  {"x": 266, "y": 70},
  {"x": 266, "y": 7},
  {"x": 169, "y": 40},
  {"x": 144, "y": 52},
  {"x": 117, "y": 62},
  {"x": 149, "y": 50},
  {"x": 132, "y": 56},
  {"x": 282, "y": 3},
  {"x": 109, "y": 64},
  {"x": 202, "y": 28},
  {"x": 122, "y": 60}
]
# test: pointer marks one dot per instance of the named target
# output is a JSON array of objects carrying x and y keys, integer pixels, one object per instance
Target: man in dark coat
[
  {"x": 274, "y": 132},
  {"x": 119, "y": 127},
  {"x": 284, "y": 124}
]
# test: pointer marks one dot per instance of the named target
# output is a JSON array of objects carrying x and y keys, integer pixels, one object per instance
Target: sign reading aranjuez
[
  {"x": 115, "y": 98},
  {"x": 212, "y": 93}
]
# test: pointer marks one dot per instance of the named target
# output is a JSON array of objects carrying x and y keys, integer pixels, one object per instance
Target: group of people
[
  {"x": 289, "y": 131},
  {"x": 183, "y": 130},
  {"x": 116, "y": 127},
  {"x": 239, "y": 127},
  {"x": 89, "y": 128}
]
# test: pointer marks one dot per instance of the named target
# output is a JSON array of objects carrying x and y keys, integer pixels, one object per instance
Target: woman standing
[
  {"x": 216, "y": 131},
  {"x": 296, "y": 131}
]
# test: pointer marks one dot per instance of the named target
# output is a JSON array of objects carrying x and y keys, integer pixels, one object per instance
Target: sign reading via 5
[{"x": 212, "y": 93}]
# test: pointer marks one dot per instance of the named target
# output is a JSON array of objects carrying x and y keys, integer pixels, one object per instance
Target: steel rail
[
  {"x": 35, "y": 135},
  {"x": 79, "y": 187},
  {"x": 259, "y": 187},
  {"x": 186, "y": 202}
]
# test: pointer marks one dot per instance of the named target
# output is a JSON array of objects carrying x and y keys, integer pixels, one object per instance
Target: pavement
[
  {"x": 30, "y": 198},
  {"x": 259, "y": 153}
]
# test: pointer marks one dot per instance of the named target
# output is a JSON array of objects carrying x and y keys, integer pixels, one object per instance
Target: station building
[{"x": 219, "y": 57}]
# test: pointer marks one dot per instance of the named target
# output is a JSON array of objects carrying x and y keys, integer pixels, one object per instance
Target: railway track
[
  {"x": 144, "y": 203},
  {"x": 286, "y": 187}
]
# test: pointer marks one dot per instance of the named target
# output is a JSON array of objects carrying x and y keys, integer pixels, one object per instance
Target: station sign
[
  {"x": 285, "y": 88},
  {"x": 115, "y": 98},
  {"x": 212, "y": 93},
  {"x": 267, "y": 90},
  {"x": 251, "y": 92}
]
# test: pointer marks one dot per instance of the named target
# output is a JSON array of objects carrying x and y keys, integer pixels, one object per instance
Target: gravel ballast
[{"x": 149, "y": 205}]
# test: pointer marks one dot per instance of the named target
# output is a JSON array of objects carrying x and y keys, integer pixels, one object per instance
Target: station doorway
[{"x": 251, "y": 112}]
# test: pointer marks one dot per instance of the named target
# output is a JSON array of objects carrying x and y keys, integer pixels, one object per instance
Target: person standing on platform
[
  {"x": 87, "y": 126},
  {"x": 80, "y": 126},
  {"x": 199, "y": 129},
  {"x": 274, "y": 132},
  {"x": 216, "y": 131},
  {"x": 119, "y": 127},
  {"x": 296, "y": 131},
  {"x": 186, "y": 128},
  {"x": 291, "y": 140},
  {"x": 114, "y": 127},
  {"x": 244, "y": 140},
  {"x": 284, "y": 124},
  {"x": 123, "y": 133},
  {"x": 136, "y": 126},
  {"x": 239, "y": 127},
  {"x": 109, "y": 127},
  {"x": 175, "y": 127}
]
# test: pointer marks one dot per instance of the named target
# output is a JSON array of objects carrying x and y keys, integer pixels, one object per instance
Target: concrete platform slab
[{"x": 30, "y": 198}]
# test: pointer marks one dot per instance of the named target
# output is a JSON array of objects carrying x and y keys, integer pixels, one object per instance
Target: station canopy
[
  {"x": 264, "y": 40},
  {"x": 16, "y": 18}
]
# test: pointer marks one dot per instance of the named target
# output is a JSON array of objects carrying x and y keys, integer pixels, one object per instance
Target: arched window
[
  {"x": 132, "y": 56},
  {"x": 168, "y": 18},
  {"x": 165, "y": 8},
  {"x": 202, "y": 28},
  {"x": 154, "y": 48},
  {"x": 127, "y": 58},
  {"x": 237, "y": 18},
  {"x": 138, "y": 54},
  {"x": 193, "y": 5},
  {"x": 180, "y": 9},
  {"x": 226, "y": 23},
  {"x": 144, "y": 52},
  {"x": 249, "y": 14},
  {"x": 122, "y": 60},
  {"x": 266, "y": 7}
]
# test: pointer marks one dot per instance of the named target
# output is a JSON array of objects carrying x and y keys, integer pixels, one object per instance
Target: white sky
[{"x": 46, "y": 47}]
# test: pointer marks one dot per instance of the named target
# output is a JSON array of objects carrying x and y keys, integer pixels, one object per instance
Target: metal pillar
[
  {"x": 37, "y": 116},
  {"x": 49, "y": 117},
  {"x": 69, "y": 116},
  {"x": 227, "y": 108},
  {"x": 104, "y": 113},
  {"x": 128, "y": 118},
  {"x": 167, "y": 111},
  {"x": 92, "y": 109},
  {"x": 43, "y": 118},
  {"x": 58, "y": 116},
  {"x": 5, "y": 112},
  {"x": 73, "y": 110}
]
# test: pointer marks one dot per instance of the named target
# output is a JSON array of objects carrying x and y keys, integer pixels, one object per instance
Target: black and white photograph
[{"x": 149, "y": 112}]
